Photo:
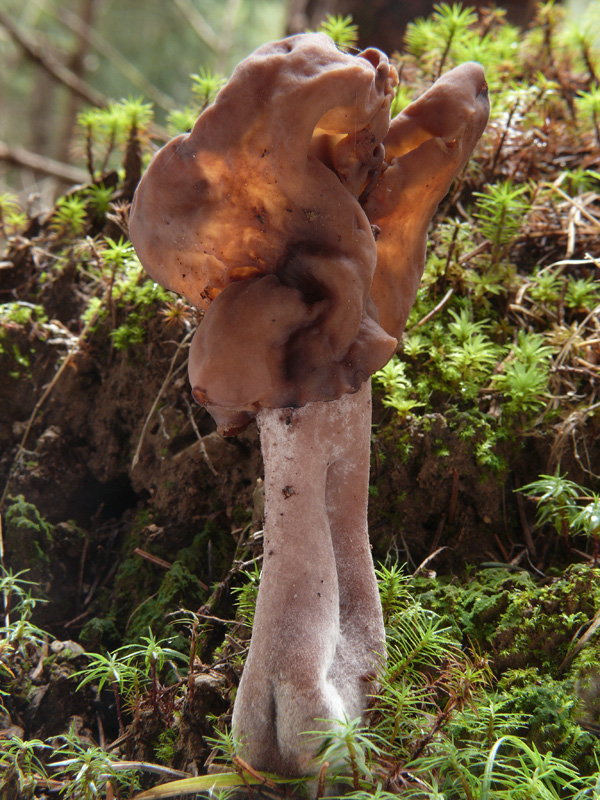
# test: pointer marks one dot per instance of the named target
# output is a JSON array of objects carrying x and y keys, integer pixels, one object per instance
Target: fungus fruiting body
[{"x": 296, "y": 214}]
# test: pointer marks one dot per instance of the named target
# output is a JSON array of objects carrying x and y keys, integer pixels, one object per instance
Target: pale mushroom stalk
[{"x": 318, "y": 636}]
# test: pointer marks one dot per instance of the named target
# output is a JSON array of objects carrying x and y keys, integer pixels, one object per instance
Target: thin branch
[
  {"x": 52, "y": 65},
  {"x": 573, "y": 201},
  {"x": 21, "y": 157},
  {"x": 200, "y": 25},
  {"x": 159, "y": 562},
  {"x": 503, "y": 136},
  {"x": 76, "y": 63},
  {"x": 429, "y": 559},
  {"x": 531, "y": 549},
  {"x": 435, "y": 310},
  {"x": 199, "y": 437},
  {"x": 106, "y": 49}
]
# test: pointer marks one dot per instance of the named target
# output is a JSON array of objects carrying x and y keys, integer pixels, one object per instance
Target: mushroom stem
[{"x": 318, "y": 635}]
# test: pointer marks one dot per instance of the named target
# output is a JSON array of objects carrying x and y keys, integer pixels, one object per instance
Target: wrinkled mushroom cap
[
  {"x": 264, "y": 216},
  {"x": 255, "y": 215}
]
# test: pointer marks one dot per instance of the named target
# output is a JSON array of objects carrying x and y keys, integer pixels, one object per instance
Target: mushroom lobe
[
  {"x": 255, "y": 216},
  {"x": 428, "y": 144},
  {"x": 297, "y": 216}
]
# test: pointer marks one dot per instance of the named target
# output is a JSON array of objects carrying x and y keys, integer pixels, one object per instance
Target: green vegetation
[
  {"x": 19, "y": 637},
  {"x": 12, "y": 217},
  {"x": 571, "y": 509},
  {"x": 341, "y": 29},
  {"x": 28, "y": 535},
  {"x": 16, "y": 318},
  {"x": 87, "y": 772},
  {"x": 469, "y": 705},
  {"x": 112, "y": 131},
  {"x": 489, "y": 687},
  {"x": 496, "y": 335}
]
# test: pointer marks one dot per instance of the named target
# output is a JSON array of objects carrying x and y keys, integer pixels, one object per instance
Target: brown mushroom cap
[
  {"x": 428, "y": 144},
  {"x": 264, "y": 215},
  {"x": 255, "y": 215}
]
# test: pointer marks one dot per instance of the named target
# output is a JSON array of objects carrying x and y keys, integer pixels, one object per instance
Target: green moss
[
  {"x": 20, "y": 325},
  {"x": 28, "y": 537},
  {"x": 529, "y": 631},
  {"x": 211, "y": 539},
  {"x": 552, "y": 711},
  {"x": 100, "y": 634},
  {"x": 179, "y": 588},
  {"x": 166, "y": 747}
]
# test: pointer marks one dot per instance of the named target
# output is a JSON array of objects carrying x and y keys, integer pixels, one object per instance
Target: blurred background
[{"x": 58, "y": 57}]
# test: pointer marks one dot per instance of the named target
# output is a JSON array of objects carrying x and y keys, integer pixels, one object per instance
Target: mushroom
[
  {"x": 254, "y": 216},
  {"x": 273, "y": 215}
]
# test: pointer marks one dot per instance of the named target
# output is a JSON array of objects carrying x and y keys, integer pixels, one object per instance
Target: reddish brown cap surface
[
  {"x": 257, "y": 215},
  {"x": 428, "y": 144}
]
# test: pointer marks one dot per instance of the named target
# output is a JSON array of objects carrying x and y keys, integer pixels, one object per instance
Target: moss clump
[
  {"x": 553, "y": 713},
  {"x": 179, "y": 589},
  {"x": 145, "y": 593},
  {"x": 28, "y": 537},
  {"x": 212, "y": 543},
  {"x": 533, "y": 633},
  {"x": 100, "y": 634},
  {"x": 517, "y": 620}
]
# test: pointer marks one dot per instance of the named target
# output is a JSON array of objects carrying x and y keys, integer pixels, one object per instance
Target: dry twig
[{"x": 171, "y": 372}]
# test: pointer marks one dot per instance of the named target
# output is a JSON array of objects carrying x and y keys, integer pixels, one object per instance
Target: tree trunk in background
[
  {"x": 381, "y": 23},
  {"x": 40, "y": 109}
]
